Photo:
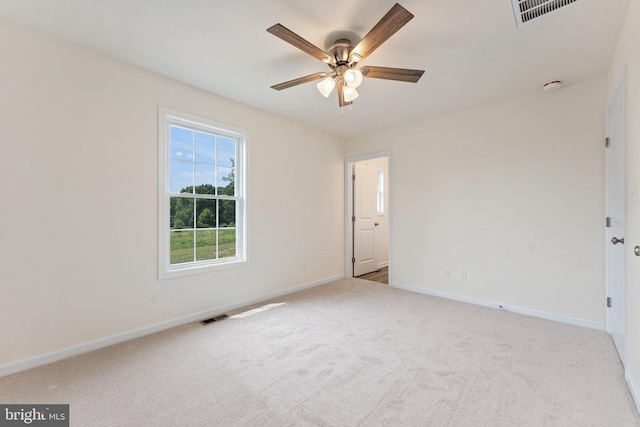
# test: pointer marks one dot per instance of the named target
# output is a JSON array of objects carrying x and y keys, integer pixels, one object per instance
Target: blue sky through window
[
  {"x": 194, "y": 157},
  {"x": 226, "y": 150}
]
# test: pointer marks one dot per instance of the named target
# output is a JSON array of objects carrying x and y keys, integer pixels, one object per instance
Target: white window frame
[
  {"x": 166, "y": 118},
  {"x": 380, "y": 193}
]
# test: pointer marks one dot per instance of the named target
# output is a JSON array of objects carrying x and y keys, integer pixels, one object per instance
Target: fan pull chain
[{"x": 342, "y": 110}]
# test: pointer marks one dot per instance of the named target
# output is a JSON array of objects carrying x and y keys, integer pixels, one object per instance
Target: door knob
[
  {"x": 615, "y": 240},
  {"x": 376, "y": 224}
]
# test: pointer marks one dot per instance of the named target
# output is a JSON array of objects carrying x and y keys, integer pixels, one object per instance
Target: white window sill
[{"x": 191, "y": 269}]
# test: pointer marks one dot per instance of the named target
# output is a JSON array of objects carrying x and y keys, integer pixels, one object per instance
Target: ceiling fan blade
[
  {"x": 385, "y": 28},
  {"x": 297, "y": 41},
  {"x": 301, "y": 80},
  {"x": 401, "y": 74},
  {"x": 341, "y": 100}
]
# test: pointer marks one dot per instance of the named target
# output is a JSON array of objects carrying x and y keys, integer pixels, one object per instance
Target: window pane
[
  {"x": 225, "y": 181},
  {"x": 205, "y": 179},
  {"x": 205, "y": 213},
  {"x": 226, "y": 152},
  {"x": 198, "y": 162},
  {"x": 205, "y": 245},
  {"x": 181, "y": 143},
  {"x": 181, "y": 246},
  {"x": 205, "y": 148},
  {"x": 380, "y": 195},
  {"x": 226, "y": 243},
  {"x": 181, "y": 214},
  {"x": 227, "y": 213},
  {"x": 181, "y": 177}
]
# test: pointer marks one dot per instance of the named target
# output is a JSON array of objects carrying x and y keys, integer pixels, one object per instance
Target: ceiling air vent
[{"x": 527, "y": 10}]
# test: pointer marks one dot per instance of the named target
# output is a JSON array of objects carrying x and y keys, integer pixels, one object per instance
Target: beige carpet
[{"x": 350, "y": 353}]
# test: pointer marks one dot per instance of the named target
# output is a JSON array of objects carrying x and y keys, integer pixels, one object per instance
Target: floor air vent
[
  {"x": 527, "y": 10},
  {"x": 213, "y": 319}
]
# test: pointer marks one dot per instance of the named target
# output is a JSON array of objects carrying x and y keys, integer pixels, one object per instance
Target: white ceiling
[{"x": 472, "y": 51}]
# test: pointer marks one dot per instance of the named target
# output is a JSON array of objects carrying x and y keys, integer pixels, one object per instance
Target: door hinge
[
  {"x": 353, "y": 219},
  {"x": 607, "y": 222},
  {"x": 608, "y": 302},
  {"x": 353, "y": 260},
  {"x": 353, "y": 177},
  {"x": 607, "y": 142}
]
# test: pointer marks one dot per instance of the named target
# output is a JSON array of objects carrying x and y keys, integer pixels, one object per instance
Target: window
[
  {"x": 202, "y": 197},
  {"x": 380, "y": 193}
]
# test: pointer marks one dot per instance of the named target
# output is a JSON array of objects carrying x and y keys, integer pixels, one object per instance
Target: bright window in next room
[
  {"x": 380, "y": 193},
  {"x": 202, "y": 198}
]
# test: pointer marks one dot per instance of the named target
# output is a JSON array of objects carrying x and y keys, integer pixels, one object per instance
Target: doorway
[
  {"x": 616, "y": 222},
  {"x": 368, "y": 217}
]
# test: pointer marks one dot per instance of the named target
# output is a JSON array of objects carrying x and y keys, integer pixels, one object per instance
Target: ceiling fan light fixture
[
  {"x": 326, "y": 86},
  {"x": 350, "y": 93},
  {"x": 342, "y": 57},
  {"x": 353, "y": 77}
]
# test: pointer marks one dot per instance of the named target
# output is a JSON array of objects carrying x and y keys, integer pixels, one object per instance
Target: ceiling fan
[{"x": 342, "y": 58}]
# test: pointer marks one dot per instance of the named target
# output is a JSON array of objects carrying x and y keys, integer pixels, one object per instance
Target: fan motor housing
[{"x": 340, "y": 51}]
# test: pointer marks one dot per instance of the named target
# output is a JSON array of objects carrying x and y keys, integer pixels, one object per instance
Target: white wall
[
  {"x": 513, "y": 192},
  {"x": 627, "y": 54},
  {"x": 78, "y": 224}
]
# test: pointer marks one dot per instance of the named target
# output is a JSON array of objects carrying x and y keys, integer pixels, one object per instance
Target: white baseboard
[
  {"x": 383, "y": 265},
  {"x": 632, "y": 389},
  {"x": 54, "y": 356},
  {"x": 591, "y": 324}
]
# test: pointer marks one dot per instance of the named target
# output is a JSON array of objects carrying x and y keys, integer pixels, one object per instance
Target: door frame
[
  {"x": 348, "y": 207},
  {"x": 619, "y": 90}
]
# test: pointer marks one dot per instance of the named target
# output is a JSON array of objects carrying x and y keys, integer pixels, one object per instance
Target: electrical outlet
[
  {"x": 446, "y": 272},
  {"x": 462, "y": 274}
]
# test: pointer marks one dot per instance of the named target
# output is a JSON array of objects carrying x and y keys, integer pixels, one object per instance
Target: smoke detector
[{"x": 551, "y": 86}]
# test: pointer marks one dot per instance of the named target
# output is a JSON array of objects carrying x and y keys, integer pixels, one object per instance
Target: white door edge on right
[{"x": 616, "y": 213}]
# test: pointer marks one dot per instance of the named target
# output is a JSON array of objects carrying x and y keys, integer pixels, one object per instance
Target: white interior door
[
  {"x": 365, "y": 187},
  {"x": 616, "y": 261}
]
